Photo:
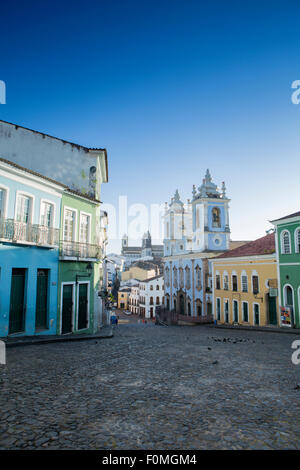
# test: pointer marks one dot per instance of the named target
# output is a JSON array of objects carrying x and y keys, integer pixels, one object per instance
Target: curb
[
  {"x": 289, "y": 331},
  {"x": 63, "y": 339}
]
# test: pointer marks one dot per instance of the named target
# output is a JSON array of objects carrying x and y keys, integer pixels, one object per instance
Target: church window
[
  {"x": 187, "y": 278},
  {"x": 197, "y": 218},
  {"x": 216, "y": 217},
  {"x": 181, "y": 280},
  {"x": 198, "y": 278},
  {"x": 175, "y": 277}
]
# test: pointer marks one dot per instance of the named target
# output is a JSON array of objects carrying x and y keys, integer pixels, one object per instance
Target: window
[
  {"x": 216, "y": 217},
  {"x": 187, "y": 278},
  {"x": 181, "y": 280},
  {"x": 218, "y": 281},
  {"x": 197, "y": 218},
  {"x": 157, "y": 300},
  {"x": 23, "y": 209},
  {"x": 245, "y": 312},
  {"x": 151, "y": 300},
  {"x": 198, "y": 278},
  {"x": 255, "y": 284},
  {"x": 297, "y": 240},
  {"x": 69, "y": 225},
  {"x": 175, "y": 277},
  {"x": 157, "y": 287},
  {"x": 285, "y": 242},
  {"x": 84, "y": 233},
  {"x": 2, "y": 202},
  {"x": 151, "y": 287},
  {"x": 225, "y": 281},
  {"x": 46, "y": 214},
  {"x": 234, "y": 283},
  {"x": 244, "y": 283}
]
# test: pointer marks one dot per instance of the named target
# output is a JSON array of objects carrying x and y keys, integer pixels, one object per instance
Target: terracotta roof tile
[{"x": 262, "y": 246}]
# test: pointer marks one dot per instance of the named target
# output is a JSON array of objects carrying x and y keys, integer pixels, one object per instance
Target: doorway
[
  {"x": 41, "y": 310},
  {"x": 67, "y": 308},
  {"x": 83, "y": 306},
  {"x": 17, "y": 304}
]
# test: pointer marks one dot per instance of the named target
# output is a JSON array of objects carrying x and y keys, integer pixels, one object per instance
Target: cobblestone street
[{"x": 153, "y": 387}]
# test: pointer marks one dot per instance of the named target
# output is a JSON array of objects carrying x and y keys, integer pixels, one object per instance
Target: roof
[
  {"x": 87, "y": 149},
  {"x": 152, "y": 278},
  {"x": 290, "y": 216},
  {"x": 262, "y": 246},
  {"x": 39, "y": 175},
  {"x": 236, "y": 243}
]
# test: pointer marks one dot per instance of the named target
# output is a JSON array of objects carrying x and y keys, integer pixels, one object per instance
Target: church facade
[
  {"x": 147, "y": 250},
  {"x": 194, "y": 232}
]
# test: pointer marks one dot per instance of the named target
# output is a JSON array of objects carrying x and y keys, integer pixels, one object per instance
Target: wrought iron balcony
[
  {"x": 79, "y": 250},
  {"x": 20, "y": 232}
]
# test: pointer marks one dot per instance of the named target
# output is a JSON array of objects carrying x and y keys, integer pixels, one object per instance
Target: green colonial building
[
  {"x": 79, "y": 274},
  {"x": 288, "y": 261}
]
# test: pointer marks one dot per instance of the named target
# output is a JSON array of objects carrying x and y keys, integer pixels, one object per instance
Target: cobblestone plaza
[{"x": 153, "y": 387}]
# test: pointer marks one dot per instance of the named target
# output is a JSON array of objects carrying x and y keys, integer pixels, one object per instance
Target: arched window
[
  {"x": 198, "y": 278},
  {"x": 285, "y": 242},
  {"x": 216, "y": 217},
  {"x": 151, "y": 300},
  {"x": 288, "y": 296},
  {"x": 157, "y": 300},
  {"x": 167, "y": 276},
  {"x": 218, "y": 280},
  {"x": 175, "y": 282},
  {"x": 157, "y": 287},
  {"x": 255, "y": 282},
  {"x": 181, "y": 280},
  {"x": 225, "y": 280},
  {"x": 187, "y": 278},
  {"x": 297, "y": 240},
  {"x": 244, "y": 279}
]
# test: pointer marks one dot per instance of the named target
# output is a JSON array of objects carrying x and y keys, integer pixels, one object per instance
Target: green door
[
  {"x": 67, "y": 309},
  {"x": 256, "y": 314},
  {"x": 236, "y": 311},
  {"x": 41, "y": 311},
  {"x": 83, "y": 306},
  {"x": 272, "y": 310},
  {"x": 17, "y": 308}
]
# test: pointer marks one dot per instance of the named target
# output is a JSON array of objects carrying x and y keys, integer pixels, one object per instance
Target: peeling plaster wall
[{"x": 64, "y": 162}]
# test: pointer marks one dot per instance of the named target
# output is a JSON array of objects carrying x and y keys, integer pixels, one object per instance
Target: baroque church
[
  {"x": 147, "y": 250},
  {"x": 194, "y": 232}
]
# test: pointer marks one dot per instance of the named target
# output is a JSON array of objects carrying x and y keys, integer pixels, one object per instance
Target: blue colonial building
[
  {"x": 30, "y": 206},
  {"x": 194, "y": 232}
]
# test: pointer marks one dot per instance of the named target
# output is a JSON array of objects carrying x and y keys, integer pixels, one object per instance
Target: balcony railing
[
  {"x": 79, "y": 250},
  {"x": 20, "y": 232}
]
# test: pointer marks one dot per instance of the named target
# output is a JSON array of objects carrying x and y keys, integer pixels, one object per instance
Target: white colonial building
[
  {"x": 134, "y": 299},
  {"x": 194, "y": 232},
  {"x": 151, "y": 295}
]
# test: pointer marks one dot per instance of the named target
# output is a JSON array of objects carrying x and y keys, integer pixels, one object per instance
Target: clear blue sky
[{"x": 169, "y": 88}]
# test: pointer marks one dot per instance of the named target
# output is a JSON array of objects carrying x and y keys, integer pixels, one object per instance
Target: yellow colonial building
[
  {"x": 244, "y": 284},
  {"x": 123, "y": 298}
]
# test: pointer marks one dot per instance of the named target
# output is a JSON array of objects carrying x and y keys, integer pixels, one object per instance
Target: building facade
[
  {"x": 244, "y": 282},
  {"x": 123, "y": 298},
  {"x": 79, "y": 306},
  {"x": 134, "y": 299},
  {"x": 288, "y": 260},
  {"x": 151, "y": 295},
  {"x": 194, "y": 233},
  {"x": 30, "y": 207}
]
